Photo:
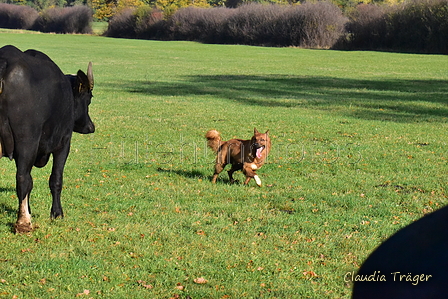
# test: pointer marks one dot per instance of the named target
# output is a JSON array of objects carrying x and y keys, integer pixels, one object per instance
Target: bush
[
  {"x": 309, "y": 25},
  {"x": 17, "y": 16},
  {"x": 416, "y": 26},
  {"x": 122, "y": 24},
  {"x": 148, "y": 22},
  {"x": 366, "y": 28},
  {"x": 254, "y": 24},
  {"x": 76, "y": 19},
  {"x": 143, "y": 22},
  {"x": 420, "y": 26},
  {"x": 199, "y": 24}
]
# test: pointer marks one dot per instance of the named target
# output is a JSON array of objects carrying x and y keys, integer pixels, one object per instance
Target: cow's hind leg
[
  {"x": 56, "y": 180},
  {"x": 24, "y": 184}
]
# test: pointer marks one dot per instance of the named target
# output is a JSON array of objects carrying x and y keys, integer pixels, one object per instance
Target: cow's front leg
[
  {"x": 56, "y": 180},
  {"x": 56, "y": 188},
  {"x": 24, "y": 184}
]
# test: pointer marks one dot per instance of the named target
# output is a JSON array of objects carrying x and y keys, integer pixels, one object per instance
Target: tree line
[
  {"x": 105, "y": 9},
  {"x": 412, "y": 26}
]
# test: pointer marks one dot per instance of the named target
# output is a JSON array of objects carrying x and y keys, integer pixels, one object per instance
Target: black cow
[
  {"x": 40, "y": 107},
  {"x": 412, "y": 264}
]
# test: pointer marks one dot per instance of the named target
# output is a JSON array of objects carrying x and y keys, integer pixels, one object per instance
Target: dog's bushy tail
[{"x": 213, "y": 140}]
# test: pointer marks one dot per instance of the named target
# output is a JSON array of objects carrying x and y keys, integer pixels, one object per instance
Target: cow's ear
[{"x": 82, "y": 82}]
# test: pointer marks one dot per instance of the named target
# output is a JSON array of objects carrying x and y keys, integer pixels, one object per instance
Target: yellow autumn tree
[
  {"x": 105, "y": 9},
  {"x": 171, "y": 6}
]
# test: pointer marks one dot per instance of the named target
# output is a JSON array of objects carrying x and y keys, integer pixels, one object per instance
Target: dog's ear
[
  {"x": 255, "y": 131},
  {"x": 267, "y": 132}
]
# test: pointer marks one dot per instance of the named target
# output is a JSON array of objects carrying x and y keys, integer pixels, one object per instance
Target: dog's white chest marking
[
  {"x": 257, "y": 179},
  {"x": 253, "y": 166}
]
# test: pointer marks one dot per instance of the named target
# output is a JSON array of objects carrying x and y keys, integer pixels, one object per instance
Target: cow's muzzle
[{"x": 87, "y": 129}]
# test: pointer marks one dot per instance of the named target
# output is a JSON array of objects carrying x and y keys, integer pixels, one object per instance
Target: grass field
[{"x": 359, "y": 151}]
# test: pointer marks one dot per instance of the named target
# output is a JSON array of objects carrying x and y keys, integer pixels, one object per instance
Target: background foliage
[
  {"x": 104, "y": 9},
  {"x": 412, "y": 26}
]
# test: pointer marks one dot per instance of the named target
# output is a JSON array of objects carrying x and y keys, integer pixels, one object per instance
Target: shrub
[
  {"x": 17, "y": 16},
  {"x": 148, "y": 22},
  {"x": 76, "y": 19},
  {"x": 420, "y": 26},
  {"x": 367, "y": 27},
  {"x": 122, "y": 24},
  {"x": 199, "y": 24},
  {"x": 254, "y": 24},
  {"x": 309, "y": 25},
  {"x": 416, "y": 26},
  {"x": 143, "y": 22}
]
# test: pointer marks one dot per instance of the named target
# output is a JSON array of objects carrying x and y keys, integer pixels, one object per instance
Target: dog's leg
[
  {"x": 218, "y": 168},
  {"x": 230, "y": 172},
  {"x": 256, "y": 178},
  {"x": 249, "y": 172},
  {"x": 235, "y": 167}
]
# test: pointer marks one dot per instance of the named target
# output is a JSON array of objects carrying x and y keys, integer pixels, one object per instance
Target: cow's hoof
[
  {"x": 22, "y": 227},
  {"x": 55, "y": 215}
]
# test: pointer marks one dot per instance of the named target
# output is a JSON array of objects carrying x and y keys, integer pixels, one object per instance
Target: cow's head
[{"x": 82, "y": 85}]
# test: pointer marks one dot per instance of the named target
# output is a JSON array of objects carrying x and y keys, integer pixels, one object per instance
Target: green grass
[
  {"x": 99, "y": 27},
  {"x": 359, "y": 151}
]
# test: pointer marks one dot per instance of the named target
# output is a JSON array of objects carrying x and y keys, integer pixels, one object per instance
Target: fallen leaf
[
  {"x": 200, "y": 280},
  {"x": 310, "y": 274},
  {"x": 85, "y": 292},
  {"x": 145, "y": 285}
]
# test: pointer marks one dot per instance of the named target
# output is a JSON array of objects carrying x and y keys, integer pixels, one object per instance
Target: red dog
[{"x": 246, "y": 155}]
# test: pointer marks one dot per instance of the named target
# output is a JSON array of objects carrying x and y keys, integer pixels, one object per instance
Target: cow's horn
[{"x": 90, "y": 75}]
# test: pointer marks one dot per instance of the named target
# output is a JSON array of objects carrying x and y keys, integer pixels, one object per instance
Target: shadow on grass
[
  {"x": 4, "y": 208},
  {"x": 391, "y": 100},
  {"x": 7, "y": 208},
  {"x": 186, "y": 173},
  {"x": 194, "y": 174},
  {"x": 7, "y": 189}
]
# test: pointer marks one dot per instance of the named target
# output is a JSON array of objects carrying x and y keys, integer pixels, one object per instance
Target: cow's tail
[
  {"x": 3, "y": 65},
  {"x": 213, "y": 140},
  {"x": 6, "y": 137}
]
